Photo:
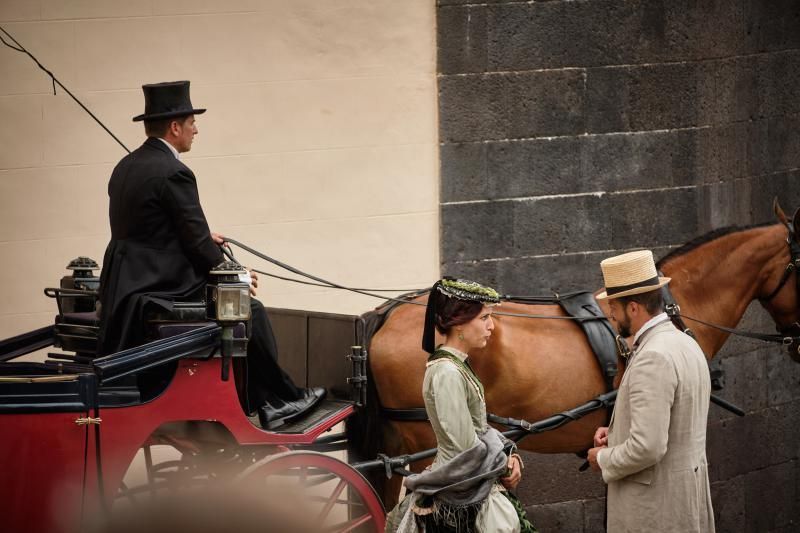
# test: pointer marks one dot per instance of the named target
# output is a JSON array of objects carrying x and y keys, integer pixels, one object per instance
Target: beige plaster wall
[{"x": 319, "y": 146}]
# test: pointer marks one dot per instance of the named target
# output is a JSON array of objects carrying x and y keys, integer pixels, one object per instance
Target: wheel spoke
[
  {"x": 333, "y": 498},
  {"x": 349, "y": 526}
]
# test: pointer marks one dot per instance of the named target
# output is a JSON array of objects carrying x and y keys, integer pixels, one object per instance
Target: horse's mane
[{"x": 703, "y": 239}]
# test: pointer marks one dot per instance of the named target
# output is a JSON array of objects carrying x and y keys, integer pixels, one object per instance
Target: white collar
[
  {"x": 458, "y": 353},
  {"x": 653, "y": 322},
  {"x": 171, "y": 148}
]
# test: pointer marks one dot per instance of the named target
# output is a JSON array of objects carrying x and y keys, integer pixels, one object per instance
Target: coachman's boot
[{"x": 277, "y": 413}]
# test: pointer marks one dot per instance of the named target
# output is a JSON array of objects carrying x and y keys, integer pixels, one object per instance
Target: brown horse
[{"x": 534, "y": 368}]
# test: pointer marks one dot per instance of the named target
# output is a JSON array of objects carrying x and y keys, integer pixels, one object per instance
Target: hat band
[{"x": 611, "y": 291}]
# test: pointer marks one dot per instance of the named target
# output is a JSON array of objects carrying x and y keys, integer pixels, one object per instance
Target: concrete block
[
  {"x": 52, "y": 43},
  {"x": 770, "y": 500},
  {"x": 653, "y": 218},
  {"x": 472, "y": 108},
  {"x": 22, "y": 123},
  {"x": 734, "y": 92},
  {"x": 111, "y": 53},
  {"x": 783, "y": 145},
  {"x": 766, "y": 188},
  {"x": 772, "y": 25},
  {"x": 464, "y": 172},
  {"x": 562, "y": 224},
  {"x": 722, "y": 204},
  {"x": 728, "y": 499},
  {"x": 19, "y": 11},
  {"x": 553, "y": 478},
  {"x": 646, "y": 98},
  {"x": 548, "y": 275},
  {"x": 535, "y": 167},
  {"x": 477, "y": 231},
  {"x": 195, "y": 7},
  {"x": 461, "y": 39},
  {"x": 536, "y": 36},
  {"x": 745, "y": 381},
  {"x": 778, "y": 80},
  {"x": 783, "y": 377},
  {"x": 639, "y": 160},
  {"x": 480, "y": 271},
  {"x": 87, "y": 9},
  {"x": 594, "y": 516},
  {"x": 516, "y": 105},
  {"x": 564, "y": 516},
  {"x": 545, "y": 103},
  {"x": 44, "y": 203}
]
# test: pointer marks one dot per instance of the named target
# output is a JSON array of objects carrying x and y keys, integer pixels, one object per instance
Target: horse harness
[{"x": 788, "y": 336}]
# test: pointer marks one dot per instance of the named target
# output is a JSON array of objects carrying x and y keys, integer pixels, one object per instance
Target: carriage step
[{"x": 327, "y": 410}]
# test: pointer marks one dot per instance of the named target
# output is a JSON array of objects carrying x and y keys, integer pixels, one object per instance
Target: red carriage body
[{"x": 73, "y": 425}]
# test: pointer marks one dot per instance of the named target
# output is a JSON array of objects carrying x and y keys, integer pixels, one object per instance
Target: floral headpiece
[{"x": 468, "y": 290}]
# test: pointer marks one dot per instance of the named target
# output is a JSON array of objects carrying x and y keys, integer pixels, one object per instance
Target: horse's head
[{"x": 783, "y": 303}]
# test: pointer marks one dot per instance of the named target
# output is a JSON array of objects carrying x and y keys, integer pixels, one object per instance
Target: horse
[{"x": 534, "y": 368}]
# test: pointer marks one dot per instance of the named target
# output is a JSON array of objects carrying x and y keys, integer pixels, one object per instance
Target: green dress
[{"x": 456, "y": 408}]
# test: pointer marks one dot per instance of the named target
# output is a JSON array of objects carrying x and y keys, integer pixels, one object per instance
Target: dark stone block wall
[{"x": 572, "y": 130}]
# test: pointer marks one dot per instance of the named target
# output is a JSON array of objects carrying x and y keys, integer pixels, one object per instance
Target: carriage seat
[{"x": 77, "y": 332}]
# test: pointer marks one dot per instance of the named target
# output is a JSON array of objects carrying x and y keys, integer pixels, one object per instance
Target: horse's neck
[{"x": 717, "y": 281}]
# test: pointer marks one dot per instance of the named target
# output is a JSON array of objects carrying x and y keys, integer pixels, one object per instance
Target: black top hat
[{"x": 167, "y": 100}]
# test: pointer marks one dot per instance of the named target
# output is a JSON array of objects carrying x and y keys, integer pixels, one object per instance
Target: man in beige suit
[{"x": 653, "y": 454}]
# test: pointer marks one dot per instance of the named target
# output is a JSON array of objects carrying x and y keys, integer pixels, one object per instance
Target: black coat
[{"x": 161, "y": 248}]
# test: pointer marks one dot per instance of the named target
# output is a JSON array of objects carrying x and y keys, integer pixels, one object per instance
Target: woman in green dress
[{"x": 466, "y": 487}]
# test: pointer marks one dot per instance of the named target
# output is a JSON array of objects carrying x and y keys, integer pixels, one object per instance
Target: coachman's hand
[
  {"x": 217, "y": 238},
  {"x": 253, "y": 282}
]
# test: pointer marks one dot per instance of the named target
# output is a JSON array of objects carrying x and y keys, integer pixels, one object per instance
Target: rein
[{"x": 541, "y": 300}]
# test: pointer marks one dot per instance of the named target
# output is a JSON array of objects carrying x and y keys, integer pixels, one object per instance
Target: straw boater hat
[{"x": 631, "y": 273}]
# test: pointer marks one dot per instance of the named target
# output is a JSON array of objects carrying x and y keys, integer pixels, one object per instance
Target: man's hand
[
  {"x": 217, "y": 238},
  {"x": 601, "y": 436},
  {"x": 253, "y": 282},
  {"x": 592, "y": 458},
  {"x": 512, "y": 479}
]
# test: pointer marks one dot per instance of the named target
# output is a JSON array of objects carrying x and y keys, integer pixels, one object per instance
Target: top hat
[
  {"x": 167, "y": 100},
  {"x": 631, "y": 273}
]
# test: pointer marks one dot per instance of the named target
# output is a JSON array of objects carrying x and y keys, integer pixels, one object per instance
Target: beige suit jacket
[{"x": 655, "y": 463}]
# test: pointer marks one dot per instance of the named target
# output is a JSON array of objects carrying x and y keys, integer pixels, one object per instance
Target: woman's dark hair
[{"x": 452, "y": 312}]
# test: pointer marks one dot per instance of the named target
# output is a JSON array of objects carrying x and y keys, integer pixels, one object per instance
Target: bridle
[{"x": 788, "y": 336}]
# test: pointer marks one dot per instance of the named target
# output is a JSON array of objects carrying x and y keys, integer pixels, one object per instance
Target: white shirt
[
  {"x": 658, "y": 319},
  {"x": 171, "y": 148}
]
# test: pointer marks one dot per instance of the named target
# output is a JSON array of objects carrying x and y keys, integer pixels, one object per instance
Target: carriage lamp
[
  {"x": 81, "y": 286},
  {"x": 228, "y": 293},
  {"x": 228, "y": 303}
]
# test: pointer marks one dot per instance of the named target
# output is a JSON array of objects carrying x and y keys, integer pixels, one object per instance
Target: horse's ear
[{"x": 779, "y": 212}]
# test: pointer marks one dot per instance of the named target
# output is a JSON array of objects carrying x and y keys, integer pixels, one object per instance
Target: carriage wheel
[{"x": 332, "y": 492}]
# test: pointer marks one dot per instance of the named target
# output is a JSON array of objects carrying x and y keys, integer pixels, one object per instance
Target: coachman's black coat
[{"x": 160, "y": 249}]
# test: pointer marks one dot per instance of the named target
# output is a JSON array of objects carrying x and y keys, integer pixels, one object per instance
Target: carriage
[
  {"x": 78, "y": 429},
  {"x": 74, "y": 424}
]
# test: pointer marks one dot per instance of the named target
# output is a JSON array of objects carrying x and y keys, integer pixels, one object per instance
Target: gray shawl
[{"x": 463, "y": 481}]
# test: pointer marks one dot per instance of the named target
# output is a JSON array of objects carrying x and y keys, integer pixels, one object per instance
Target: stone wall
[{"x": 575, "y": 130}]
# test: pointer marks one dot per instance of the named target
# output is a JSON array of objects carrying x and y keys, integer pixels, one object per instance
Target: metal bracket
[{"x": 85, "y": 421}]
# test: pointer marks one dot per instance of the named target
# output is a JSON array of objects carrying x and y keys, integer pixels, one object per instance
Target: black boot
[{"x": 272, "y": 416}]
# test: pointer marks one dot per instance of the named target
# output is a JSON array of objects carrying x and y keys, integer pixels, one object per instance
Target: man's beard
[{"x": 624, "y": 328}]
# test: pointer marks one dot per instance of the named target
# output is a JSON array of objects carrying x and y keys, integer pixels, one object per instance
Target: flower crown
[{"x": 468, "y": 290}]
